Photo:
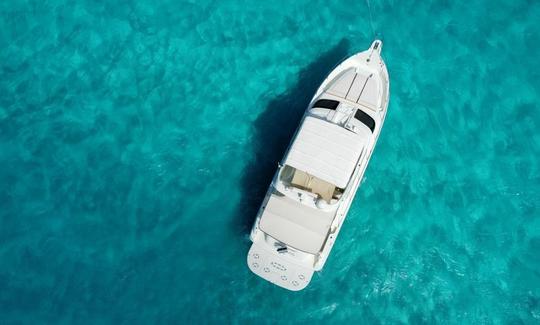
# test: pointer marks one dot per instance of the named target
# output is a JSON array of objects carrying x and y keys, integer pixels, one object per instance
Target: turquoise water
[{"x": 137, "y": 139}]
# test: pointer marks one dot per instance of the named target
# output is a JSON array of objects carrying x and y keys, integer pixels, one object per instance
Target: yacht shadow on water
[{"x": 274, "y": 128}]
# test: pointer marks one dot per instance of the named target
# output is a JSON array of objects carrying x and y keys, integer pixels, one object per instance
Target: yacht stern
[{"x": 276, "y": 268}]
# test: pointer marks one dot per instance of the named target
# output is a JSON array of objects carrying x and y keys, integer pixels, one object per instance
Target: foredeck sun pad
[{"x": 357, "y": 87}]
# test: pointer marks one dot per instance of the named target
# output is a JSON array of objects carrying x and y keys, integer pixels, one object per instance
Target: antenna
[{"x": 371, "y": 20}]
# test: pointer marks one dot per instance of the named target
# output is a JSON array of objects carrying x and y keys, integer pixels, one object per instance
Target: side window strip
[
  {"x": 327, "y": 103},
  {"x": 365, "y": 118}
]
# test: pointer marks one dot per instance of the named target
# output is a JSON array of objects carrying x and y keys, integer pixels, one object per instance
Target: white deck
[
  {"x": 326, "y": 151},
  {"x": 284, "y": 219}
]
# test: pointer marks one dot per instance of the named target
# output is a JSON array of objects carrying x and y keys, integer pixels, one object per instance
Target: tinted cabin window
[
  {"x": 366, "y": 119},
  {"x": 327, "y": 103}
]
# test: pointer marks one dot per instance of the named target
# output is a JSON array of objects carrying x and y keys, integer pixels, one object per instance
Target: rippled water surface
[{"x": 138, "y": 137}]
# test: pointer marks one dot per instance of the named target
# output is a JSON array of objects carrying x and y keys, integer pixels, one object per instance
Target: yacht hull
[{"x": 290, "y": 267}]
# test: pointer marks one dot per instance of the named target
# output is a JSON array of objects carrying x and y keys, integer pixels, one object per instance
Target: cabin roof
[{"x": 326, "y": 150}]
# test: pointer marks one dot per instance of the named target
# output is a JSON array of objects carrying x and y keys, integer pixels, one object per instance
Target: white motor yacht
[{"x": 312, "y": 190}]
